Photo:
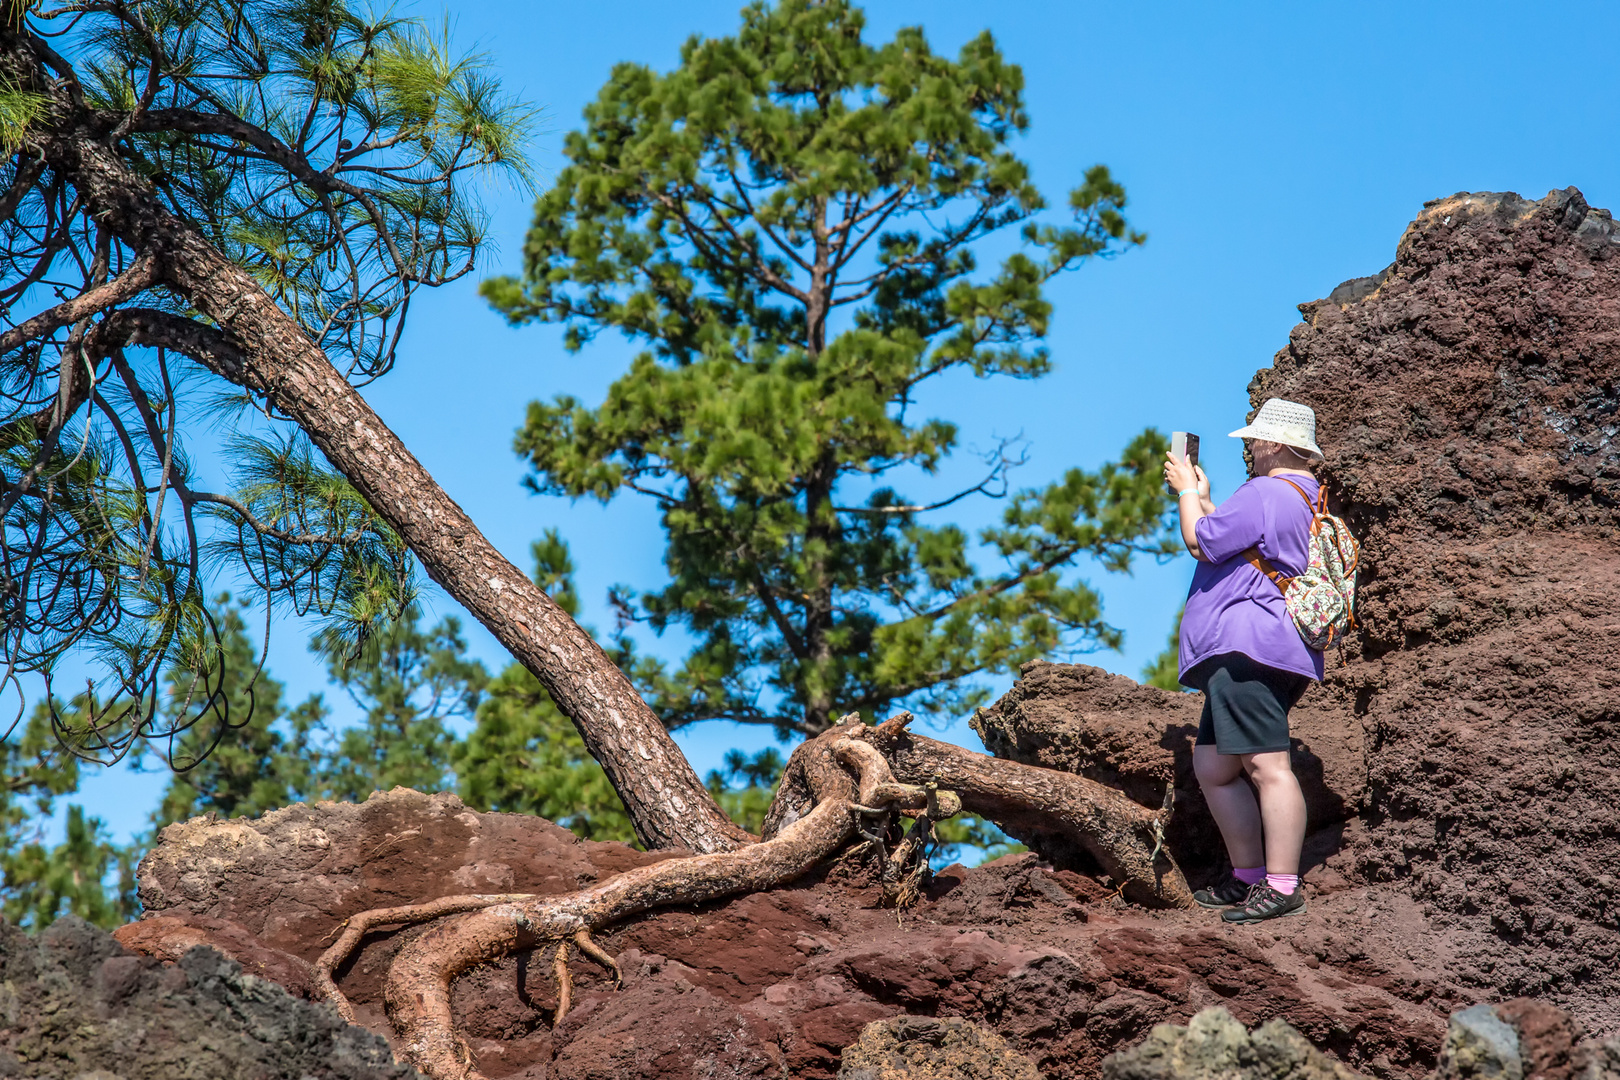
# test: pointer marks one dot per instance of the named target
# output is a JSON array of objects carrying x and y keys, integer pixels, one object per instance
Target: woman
[{"x": 1240, "y": 647}]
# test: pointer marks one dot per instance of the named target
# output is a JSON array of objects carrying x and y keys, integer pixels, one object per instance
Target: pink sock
[
  {"x": 1249, "y": 875},
  {"x": 1287, "y": 884}
]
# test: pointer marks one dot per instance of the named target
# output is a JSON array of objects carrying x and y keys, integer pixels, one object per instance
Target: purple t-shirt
[{"x": 1232, "y": 607}]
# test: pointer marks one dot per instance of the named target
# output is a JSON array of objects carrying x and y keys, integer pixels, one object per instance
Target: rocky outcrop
[
  {"x": 1460, "y": 759},
  {"x": 74, "y": 1004},
  {"x": 1468, "y": 398},
  {"x": 1213, "y": 1046},
  {"x": 1138, "y": 738},
  {"x": 926, "y": 1048},
  {"x": 1518, "y": 1040},
  {"x": 782, "y": 981}
]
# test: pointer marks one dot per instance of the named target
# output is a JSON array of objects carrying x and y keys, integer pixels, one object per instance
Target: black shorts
[{"x": 1246, "y": 704}]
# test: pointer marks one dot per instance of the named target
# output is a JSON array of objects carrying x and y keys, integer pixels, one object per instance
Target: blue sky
[{"x": 1270, "y": 151}]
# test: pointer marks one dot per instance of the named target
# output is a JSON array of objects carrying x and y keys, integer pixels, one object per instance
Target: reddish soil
[{"x": 1460, "y": 760}]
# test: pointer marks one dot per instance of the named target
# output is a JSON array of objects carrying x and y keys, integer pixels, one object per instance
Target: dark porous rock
[
  {"x": 75, "y": 1005},
  {"x": 1214, "y": 1046},
  {"x": 929, "y": 1048}
]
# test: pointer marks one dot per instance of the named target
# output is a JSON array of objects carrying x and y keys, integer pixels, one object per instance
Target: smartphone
[{"x": 1183, "y": 444}]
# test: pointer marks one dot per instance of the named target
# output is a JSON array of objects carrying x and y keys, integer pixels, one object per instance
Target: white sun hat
[{"x": 1286, "y": 422}]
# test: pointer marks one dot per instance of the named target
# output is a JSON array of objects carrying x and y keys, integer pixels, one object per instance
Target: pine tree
[
  {"x": 233, "y": 202},
  {"x": 1165, "y": 671},
  {"x": 246, "y": 771},
  {"x": 85, "y": 875},
  {"x": 409, "y": 683},
  {"x": 788, "y": 222},
  {"x": 523, "y": 756},
  {"x": 43, "y": 884}
]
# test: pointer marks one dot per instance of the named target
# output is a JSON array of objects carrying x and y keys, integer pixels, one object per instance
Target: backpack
[{"x": 1322, "y": 599}]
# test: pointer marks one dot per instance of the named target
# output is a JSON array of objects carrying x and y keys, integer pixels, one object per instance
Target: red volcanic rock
[
  {"x": 783, "y": 980},
  {"x": 1137, "y": 738},
  {"x": 1468, "y": 399},
  {"x": 1470, "y": 406},
  {"x": 165, "y": 937}
]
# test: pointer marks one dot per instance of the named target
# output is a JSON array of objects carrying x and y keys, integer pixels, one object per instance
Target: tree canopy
[
  {"x": 231, "y": 203},
  {"x": 789, "y": 222},
  {"x": 324, "y": 151},
  {"x": 41, "y": 881}
]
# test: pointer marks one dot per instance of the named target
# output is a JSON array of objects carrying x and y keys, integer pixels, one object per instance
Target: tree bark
[
  {"x": 1123, "y": 836},
  {"x": 417, "y": 993},
  {"x": 666, "y": 800}
]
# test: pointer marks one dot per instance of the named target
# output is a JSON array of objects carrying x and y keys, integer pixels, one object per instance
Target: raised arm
[{"x": 1193, "y": 500}]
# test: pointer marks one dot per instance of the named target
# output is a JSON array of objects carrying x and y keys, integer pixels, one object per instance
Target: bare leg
[
  {"x": 1282, "y": 808},
  {"x": 1232, "y": 804}
]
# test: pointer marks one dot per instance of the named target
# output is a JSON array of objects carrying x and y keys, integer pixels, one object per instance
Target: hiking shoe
[
  {"x": 1224, "y": 893},
  {"x": 1263, "y": 903}
]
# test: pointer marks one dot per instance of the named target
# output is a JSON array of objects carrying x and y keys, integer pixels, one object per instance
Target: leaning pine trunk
[{"x": 666, "y": 800}]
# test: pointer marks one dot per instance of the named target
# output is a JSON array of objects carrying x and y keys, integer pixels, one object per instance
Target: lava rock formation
[
  {"x": 74, "y": 1004},
  {"x": 1465, "y": 749}
]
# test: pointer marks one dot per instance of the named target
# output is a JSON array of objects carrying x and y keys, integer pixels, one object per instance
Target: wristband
[{"x": 1188, "y": 491}]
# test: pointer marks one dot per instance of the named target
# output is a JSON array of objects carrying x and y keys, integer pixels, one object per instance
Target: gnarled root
[
  {"x": 1125, "y": 838},
  {"x": 587, "y": 945},
  {"x": 355, "y": 927},
  {"x": 818, "y": 807},
  {"x": 565, "y": 982},
  {"x": 417, "y": 994}
]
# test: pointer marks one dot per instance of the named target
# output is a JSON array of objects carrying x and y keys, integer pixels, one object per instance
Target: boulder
[
  {"x": 929, "y": 1048},
  {"x": 1213, "y": 1046},
  {"x": 1481, "y": 1046},
  {"x": 1138, "y": 738},
  {"x": 1523, "y": 1039},
  {"x": 76, "y": 1005}
]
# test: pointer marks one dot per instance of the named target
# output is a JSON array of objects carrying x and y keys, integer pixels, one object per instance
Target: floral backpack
[{"x": 1322, "y": 599}]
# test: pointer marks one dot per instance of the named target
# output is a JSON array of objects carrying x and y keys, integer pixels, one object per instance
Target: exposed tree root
[
  {"x": 1124, "y": 837},
  {"x": 586, "y": 944},
  {"x": 565, "y": 983},
  {"x": 355, "y": 927},
  {"x": 417, "y": 994},
  {"x": 819, "y": 807}
]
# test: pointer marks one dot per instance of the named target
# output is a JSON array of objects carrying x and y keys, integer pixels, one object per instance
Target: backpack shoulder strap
[
  {"x": 1253, "y": 557},
  {"x": 1304, "y": 495},
  {"x": 1267, "y": 569}
]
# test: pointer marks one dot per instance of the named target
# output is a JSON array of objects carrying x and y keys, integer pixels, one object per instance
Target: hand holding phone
[{"x": 1183, "y": 444}]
